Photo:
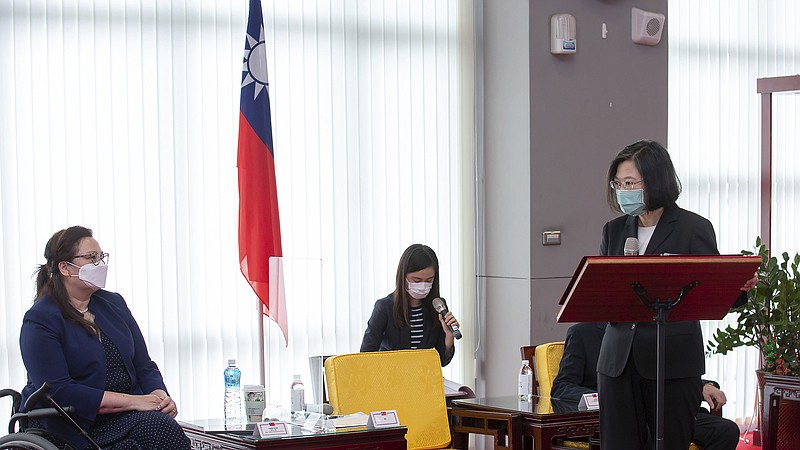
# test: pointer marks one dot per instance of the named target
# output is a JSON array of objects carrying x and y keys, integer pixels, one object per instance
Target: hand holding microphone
[{"x": 441, "y": 308}]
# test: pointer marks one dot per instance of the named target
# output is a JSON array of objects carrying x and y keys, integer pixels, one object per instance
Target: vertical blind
[
  {"x": 122, "y": 116},
  {"x": 717, "y": 50}
]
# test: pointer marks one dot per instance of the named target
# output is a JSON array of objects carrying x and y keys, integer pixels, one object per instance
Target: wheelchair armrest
[
  {"x": 16, "y": 398},
  {"x": 39, "y": 413},
  {"x": 39, "y": 395}
]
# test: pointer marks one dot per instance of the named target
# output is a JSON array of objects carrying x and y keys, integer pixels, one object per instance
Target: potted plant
[{"x": 770, "y": 319}]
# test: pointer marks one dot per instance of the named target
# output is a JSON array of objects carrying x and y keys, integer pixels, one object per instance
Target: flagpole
[
  {"x": 259, "y": 220},
  {"x": 262, "y": 359}
]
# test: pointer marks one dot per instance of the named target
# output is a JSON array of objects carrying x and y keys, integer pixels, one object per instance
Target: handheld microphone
[
  {"x": 631, "y": 247},
  {"x": 440, "y": 307}
]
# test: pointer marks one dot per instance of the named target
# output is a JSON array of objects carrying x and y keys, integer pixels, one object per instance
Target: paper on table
[
  {"x": 453, "y": 389},
  {"x": 358, "y": 419}
]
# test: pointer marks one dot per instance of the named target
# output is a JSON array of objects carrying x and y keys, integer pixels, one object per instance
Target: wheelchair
[{"x": 21, "y": 436}]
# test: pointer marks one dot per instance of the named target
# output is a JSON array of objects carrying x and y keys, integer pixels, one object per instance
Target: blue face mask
[{"x": 631, "y": 202}]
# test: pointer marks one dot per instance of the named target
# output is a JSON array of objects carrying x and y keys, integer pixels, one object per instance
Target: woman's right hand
[
  {"x": 146, "y": 402},
  {"x": 167, "y": 405}
]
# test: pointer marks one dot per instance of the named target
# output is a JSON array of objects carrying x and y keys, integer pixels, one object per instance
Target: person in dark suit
[
  {"x": 84, "y": 342},
  {"x": 577, "y": 372},
  {"x": 577, "y": 375},
  {"x": 643, "y": 184},
  {"x": 405, "y": 319}
]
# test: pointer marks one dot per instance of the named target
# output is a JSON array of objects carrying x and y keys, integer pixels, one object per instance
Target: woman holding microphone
[{"x": 407, "y": 318}]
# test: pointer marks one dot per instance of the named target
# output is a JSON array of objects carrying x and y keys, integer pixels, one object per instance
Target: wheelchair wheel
[{"x": 26, "y": 441}]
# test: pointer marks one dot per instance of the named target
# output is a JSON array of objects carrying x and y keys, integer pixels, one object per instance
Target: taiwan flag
[{"x": 259, "y": 221}]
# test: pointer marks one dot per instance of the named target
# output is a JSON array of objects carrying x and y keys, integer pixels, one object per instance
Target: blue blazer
[
  {"x": 382, "y": 334},
  {"x": 73, "y": 363}
]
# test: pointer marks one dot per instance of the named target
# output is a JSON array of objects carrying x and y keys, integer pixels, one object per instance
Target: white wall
[{"x": 507, "y": 193}]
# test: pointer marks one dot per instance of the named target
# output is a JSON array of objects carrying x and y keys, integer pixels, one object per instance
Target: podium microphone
[
  {"x": 440, "y": 307},
  {"x": 631, "y": 247}
]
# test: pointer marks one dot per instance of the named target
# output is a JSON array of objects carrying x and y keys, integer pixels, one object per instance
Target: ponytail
[{"x": 61, "y": 247}]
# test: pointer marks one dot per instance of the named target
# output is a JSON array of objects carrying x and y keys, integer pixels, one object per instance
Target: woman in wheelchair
[{"x": 85, "y": 344}]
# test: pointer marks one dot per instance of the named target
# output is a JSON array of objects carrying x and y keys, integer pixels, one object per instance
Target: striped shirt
[{"x": 415, "y": 317}]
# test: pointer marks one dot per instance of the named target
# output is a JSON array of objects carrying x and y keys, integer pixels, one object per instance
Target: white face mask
[
  {"x": 418, "y": 291},
  {"x": 93, "y": 275}
]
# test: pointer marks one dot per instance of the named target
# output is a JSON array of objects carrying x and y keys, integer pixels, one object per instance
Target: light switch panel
[{"x": 551, "y": 238}]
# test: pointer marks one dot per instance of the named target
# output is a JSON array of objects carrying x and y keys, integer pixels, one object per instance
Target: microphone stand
[{"x": 661, "y": 310}]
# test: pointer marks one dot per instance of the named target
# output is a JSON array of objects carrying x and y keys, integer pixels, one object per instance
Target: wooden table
[
  {"x": 529, "y": 425},
  {"x": 353, "y": 439},
  {"x": 779, "y": 389}
]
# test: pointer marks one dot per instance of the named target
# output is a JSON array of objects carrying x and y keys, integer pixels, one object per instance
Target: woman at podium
[
  {"x": 406, "y": 319},
  {"x": 643, "y": 185}
]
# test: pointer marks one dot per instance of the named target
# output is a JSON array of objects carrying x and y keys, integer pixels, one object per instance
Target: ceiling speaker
[{"x": 646, "y": 26}]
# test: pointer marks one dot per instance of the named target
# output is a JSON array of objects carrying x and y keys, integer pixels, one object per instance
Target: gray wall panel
[
  {"x": 562, "y": 118},
  {"x": 585, "y": 107}
]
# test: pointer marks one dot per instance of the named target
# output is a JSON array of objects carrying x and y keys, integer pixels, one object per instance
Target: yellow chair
[
  {"x": 407, "y": 381},
  {"x": 547, "y": 358}
]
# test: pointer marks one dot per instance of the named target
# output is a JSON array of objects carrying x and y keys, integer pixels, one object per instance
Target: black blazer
[
  {"x": 576, "y": 372},
  {"x": 382, "y": 334},
  {"x": 677, "y": 232}
]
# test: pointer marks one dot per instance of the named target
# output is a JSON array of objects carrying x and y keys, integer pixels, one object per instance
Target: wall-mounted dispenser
[
  {"x": 562, "y": 34},
  {"x": 646, "y": 26}
]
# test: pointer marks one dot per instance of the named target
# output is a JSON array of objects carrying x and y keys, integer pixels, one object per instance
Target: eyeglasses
[
  {"x": 624, "y": 185},
  {"x": 94, "y": 257}
]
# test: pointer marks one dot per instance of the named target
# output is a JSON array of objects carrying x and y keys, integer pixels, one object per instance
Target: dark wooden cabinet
[
  {"x": 781, "y": 412},
  {"x": 360, "y": 439},
  {"x": 536, "y": 424}
]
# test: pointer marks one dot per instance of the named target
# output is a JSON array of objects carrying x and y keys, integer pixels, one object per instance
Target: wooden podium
[{"x": 655, "y": 288}]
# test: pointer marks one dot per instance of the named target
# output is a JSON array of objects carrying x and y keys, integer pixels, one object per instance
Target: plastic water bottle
[
  {"x": 525, "y": 381},
  {"x": 233, "y": 394},
  {"x": 298, "y": 397}
]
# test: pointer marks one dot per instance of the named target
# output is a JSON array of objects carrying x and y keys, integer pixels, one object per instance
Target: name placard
[
  {"x": 271, "y": 429},
  {"x": 383, "y": 419},
  {"x": 589, "y": 402}
]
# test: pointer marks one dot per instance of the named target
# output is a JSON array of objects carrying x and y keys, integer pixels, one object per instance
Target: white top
[{"x": 645, "y": 233}]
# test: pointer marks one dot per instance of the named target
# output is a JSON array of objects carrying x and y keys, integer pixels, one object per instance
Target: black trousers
[
  {"x": 715, "y": 433},
  {"x": 628, "y": 410}
]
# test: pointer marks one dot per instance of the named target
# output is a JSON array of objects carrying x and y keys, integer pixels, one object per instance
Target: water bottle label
[
  {"x": 525, "y": 385},
  {"x": 233, "y": 377},
  {"x": 298, "y": 400}
]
